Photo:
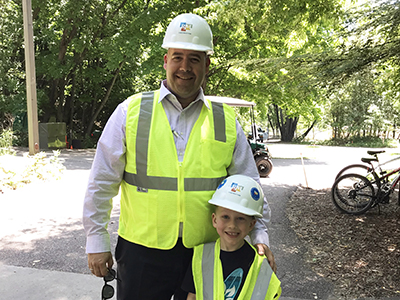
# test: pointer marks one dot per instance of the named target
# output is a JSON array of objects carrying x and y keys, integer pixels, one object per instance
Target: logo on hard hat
[
  {"x": 255, "y": 194},
  {"x": 185, "y": 26},
  {"x": 236, "y": 188}
]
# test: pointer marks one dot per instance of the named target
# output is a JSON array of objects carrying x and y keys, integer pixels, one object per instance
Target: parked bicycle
[
  {"x": 354, "y": 193},
  {"x": 365, "y": 169}
]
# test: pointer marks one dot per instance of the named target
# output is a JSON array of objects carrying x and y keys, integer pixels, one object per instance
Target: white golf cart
[{"x": 261, "y": 154}]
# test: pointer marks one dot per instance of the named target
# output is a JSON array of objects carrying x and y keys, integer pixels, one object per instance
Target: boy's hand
[{"x": 263, "y": 249}]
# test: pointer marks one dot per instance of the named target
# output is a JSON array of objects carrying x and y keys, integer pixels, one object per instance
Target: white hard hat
[
  {"x": 189, "y": 31},
  {"x": 241, "y": 194}
]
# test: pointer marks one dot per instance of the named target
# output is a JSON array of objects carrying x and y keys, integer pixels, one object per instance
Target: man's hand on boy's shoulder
[{"x": 263, "y": 249}]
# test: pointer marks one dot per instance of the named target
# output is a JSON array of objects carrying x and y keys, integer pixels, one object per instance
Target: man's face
[{"x": 186, "y": 70}]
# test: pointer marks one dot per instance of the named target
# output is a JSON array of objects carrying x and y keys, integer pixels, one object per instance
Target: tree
[
  {"x": 367, "y": 55},
  {"x": 85, "y": 48},
  {"x": 259, "y": 37},
  {"x": 92, "y": 55},
  {"x": 370, "y": 37},
  {"x": 12, "y": 85},
  {"x": 334, "y": 58},
  {"x": 352, "y": 110}
]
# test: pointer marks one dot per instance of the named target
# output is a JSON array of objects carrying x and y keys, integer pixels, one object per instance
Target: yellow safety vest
[
  {"x": 260, "y": 283},
  {"x": 159, "y": 192}
]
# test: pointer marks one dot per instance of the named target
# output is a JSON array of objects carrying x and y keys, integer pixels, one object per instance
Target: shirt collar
[{"x": 164, "y": 92}]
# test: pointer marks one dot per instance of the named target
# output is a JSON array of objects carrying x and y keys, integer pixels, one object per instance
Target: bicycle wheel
[
  {"x": 355, "y": 169},
  {"x": 353, "y": 194}
]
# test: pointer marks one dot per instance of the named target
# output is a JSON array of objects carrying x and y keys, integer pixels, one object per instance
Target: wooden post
[
  {"x": 304, "y": 169},
  {"x": 31, "y": 98}
]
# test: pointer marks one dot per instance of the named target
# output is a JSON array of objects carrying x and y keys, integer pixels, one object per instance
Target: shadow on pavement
[
  {"x": 297, "y": 278},
  {"x": 50, "y": 244},
  {"x": 72, "y": 159}
]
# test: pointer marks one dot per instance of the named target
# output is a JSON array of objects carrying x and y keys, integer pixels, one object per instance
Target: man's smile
[{"x": 184, "y": 77}]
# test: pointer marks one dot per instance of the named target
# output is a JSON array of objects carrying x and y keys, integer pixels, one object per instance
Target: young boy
[{"x": 231, "y": 268}]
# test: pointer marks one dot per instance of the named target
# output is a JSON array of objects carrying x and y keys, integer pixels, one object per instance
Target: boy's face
[{"x": 232, "y": 227}]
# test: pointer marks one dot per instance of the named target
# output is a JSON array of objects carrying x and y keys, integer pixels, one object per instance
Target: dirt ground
[{"x": 359, "y": 254}]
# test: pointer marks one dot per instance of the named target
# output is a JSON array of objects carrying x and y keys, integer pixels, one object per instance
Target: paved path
[{"x": 42, "y": 241}]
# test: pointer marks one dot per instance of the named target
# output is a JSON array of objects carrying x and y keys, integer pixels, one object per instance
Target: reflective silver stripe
[
  {"x": 219, "y": 121},
  {"x": 151, "y": 182},
  {"x": 262, "y": 283},
  {"x": 141, "y": 179},
  {"x": 207, "y": 266},
  {"x": 202, "y": 184}
]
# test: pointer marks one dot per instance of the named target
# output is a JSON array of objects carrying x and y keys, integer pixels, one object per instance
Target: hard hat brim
[
  {"x": 235, "y": 207},
  {"x": 188, "y": 46}
]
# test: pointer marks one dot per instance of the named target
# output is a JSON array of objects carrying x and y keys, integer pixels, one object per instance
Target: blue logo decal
[
  {"x": 222, "y": 184},
  {"x": 255, "y": 194},
  {"x": 232, "y": 283}
]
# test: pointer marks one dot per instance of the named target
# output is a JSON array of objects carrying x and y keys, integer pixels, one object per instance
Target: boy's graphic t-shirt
[{"x": 235, "y": 266}]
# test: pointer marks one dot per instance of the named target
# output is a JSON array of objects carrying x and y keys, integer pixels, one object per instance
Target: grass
[{"x": 370, "y": 142}]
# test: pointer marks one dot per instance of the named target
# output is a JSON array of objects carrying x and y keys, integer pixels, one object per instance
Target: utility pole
[{"x": 31, "y": 98}]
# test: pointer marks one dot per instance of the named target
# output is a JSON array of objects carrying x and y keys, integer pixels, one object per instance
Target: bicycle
[
  {"x": 355, "y": 194},
  {"x": 365, "y": 168}
]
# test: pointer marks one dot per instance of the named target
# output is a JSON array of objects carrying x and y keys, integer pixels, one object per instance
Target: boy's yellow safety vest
[
  {"x": 159, "y": 192},
  {"x": 260, "y": 283}
]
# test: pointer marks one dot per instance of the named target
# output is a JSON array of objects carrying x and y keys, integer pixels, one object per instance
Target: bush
[
  {"x": 6, "y": 142},
  {"x": 37, "y": 167},
  {"x": 370, "y": 142}
]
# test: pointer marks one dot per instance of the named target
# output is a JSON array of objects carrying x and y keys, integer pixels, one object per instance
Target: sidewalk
[{"x": 33, "y": 284}]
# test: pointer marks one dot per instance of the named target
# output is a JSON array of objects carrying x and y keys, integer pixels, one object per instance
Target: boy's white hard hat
[
  {"x": 191, "y": 32},
  {"x": 241, "y": 194}
]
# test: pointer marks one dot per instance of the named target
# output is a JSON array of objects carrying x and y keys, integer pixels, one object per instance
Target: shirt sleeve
[
  {"x": 104, "y": 180},
  {"x": 243, "y": 163}
]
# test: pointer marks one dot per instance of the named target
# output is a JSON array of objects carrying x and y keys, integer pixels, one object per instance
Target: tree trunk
[
  {"x": 303, "y": 136},
  {"x": 287, "y": 126},
  {"x": 288, "y": 129}
]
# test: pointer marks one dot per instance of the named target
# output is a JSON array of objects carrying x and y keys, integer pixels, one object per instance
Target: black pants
[{"x": 151, "y": 274}]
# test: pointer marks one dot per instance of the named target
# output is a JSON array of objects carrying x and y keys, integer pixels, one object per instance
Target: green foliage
[
  {"x": 33, "y": 168},
  {"x": 351, "y": 69},
  {"x": 355, "y": 108},
  {"x": 290, "y": 57},
  {"x": 367, "y": 37},
  {"x": 12, "y": 85},
  {"x": 370, "y": 142},
  {"x": 6, "y": 142}
]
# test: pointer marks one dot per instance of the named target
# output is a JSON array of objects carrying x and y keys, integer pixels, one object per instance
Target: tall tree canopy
[
  {"x": 334, "y": 58},
  {"x": 91, "y": 55},
  {"x": 365, "y": 66}
]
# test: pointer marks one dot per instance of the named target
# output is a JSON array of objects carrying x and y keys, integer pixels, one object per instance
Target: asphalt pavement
[{"x": 42, "y": 253}]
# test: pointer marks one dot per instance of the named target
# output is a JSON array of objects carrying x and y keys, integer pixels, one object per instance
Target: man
[{"x": 168, "y": 150}]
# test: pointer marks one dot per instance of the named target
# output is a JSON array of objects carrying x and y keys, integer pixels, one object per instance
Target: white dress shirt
[{"x": 109, "y": 164}]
